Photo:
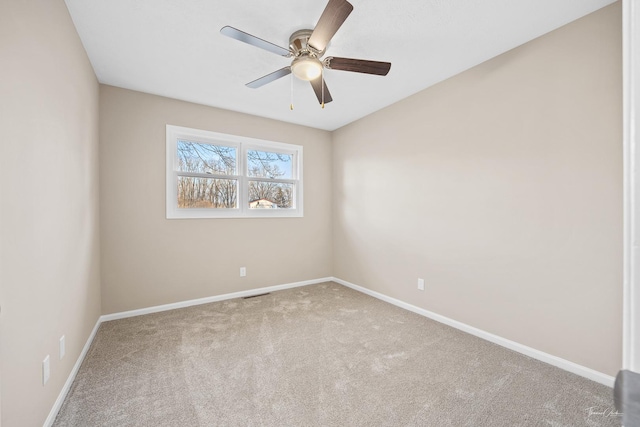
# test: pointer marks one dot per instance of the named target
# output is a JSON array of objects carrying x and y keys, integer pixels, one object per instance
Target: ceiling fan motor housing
[{"x": 299, "y": 44}]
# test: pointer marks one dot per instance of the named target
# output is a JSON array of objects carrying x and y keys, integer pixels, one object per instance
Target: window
[{"x": 214, "y": 175}]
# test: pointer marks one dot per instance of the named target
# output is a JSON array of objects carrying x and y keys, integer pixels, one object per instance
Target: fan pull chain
[
  {"x": 322, "y": 78},
  {"x": 291, "y": 105}
]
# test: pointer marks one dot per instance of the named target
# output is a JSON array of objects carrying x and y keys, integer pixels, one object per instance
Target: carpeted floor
[{"x": 320, "y": 355}]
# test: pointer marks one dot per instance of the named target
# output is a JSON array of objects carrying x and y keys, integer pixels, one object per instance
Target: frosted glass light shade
[{"x": 306, "y": 68}]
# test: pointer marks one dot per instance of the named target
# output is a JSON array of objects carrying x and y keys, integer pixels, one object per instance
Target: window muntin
[{"x": 213, "y": 175}]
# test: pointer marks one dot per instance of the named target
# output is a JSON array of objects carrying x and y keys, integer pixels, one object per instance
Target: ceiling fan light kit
[
  {"x": 307, "y": 48},
  {"x": 306, "y": 68}
]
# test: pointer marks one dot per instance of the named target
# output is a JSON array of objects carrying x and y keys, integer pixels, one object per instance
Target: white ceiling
[{"x": 174, "y": 48}]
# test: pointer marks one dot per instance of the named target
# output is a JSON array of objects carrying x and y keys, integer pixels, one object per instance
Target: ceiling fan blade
[
  {"x": 330, "y": 21},
  {"x": 269, "y": 78},
  {"x": 234, "y": 33},
  {"x": 317, "y": 88},
  {"x": 358, "y": 65}
]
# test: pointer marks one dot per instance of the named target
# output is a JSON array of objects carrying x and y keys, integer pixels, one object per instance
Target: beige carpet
[{"x": 320, "y": 355}]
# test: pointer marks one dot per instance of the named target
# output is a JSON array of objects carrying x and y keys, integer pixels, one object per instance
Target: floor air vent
[{"x": 254, "y": 296}]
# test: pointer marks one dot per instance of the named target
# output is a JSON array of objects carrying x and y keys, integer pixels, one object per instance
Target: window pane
[
  {"x": 206, "y": 158},
  {"x": 265, "y": 164},
  {"x": 270, "y": 195},
  {"x": 207, "y": 192}
]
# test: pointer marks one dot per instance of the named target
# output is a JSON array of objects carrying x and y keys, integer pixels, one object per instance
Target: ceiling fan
[{"x": 307, "y": 48}]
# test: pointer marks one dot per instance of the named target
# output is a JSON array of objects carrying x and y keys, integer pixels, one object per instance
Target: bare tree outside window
[
  {"x": 271, "y": 166},
  {"x": 201, "y": 192}
]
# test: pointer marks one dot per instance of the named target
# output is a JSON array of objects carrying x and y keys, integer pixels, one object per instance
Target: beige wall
[
  {"x": 149, "y": 260},
  {"x": 49, "y": 259},
  {"x": 502, "y": 188}
]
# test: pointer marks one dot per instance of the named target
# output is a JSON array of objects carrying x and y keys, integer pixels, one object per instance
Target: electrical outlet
[
  {"x": 421, "y": 284},
  {"x": 46, "y": 370},
  {"x": 243, "y": 271},
  {"x": 62, "y": 347}
]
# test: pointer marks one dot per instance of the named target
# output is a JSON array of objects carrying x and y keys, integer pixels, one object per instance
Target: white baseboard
[
  {"x": 72, "y": 376},
  {"x": 206, "y": 300},
  {"x": 511, "y": 345}
]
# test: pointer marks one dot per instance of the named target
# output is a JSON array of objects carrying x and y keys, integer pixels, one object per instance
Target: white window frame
[{"x": 243, "y": 145}]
